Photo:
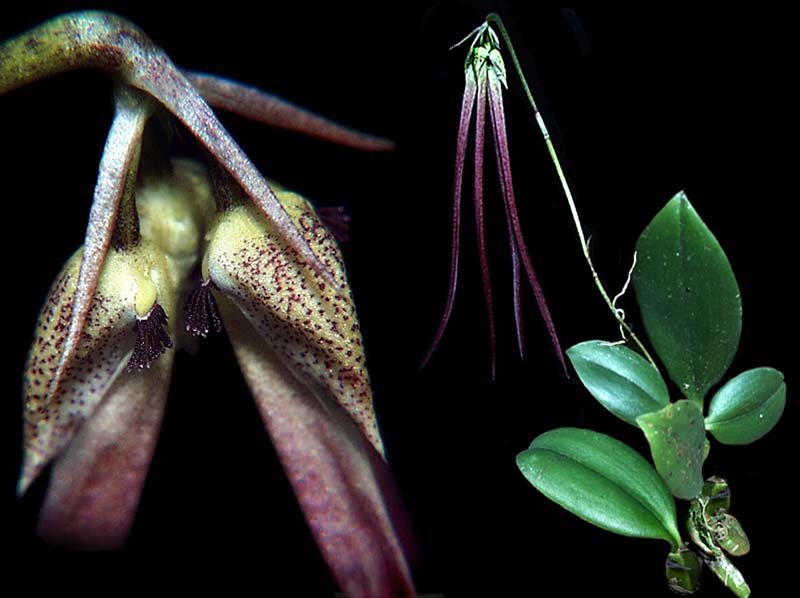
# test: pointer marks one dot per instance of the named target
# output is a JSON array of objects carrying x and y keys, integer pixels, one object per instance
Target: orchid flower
[
  {"x": 485, "y": 75},
  {"x": 241, "y": 255}
]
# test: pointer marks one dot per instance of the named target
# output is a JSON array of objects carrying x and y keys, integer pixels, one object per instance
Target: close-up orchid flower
[
  {"x": 485, "y": 78},
  {"x": 176, "y": 249}
]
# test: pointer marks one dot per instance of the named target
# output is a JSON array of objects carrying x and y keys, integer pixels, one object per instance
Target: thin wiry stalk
[
  {"x": 467, "y": 106},
  {"x": 122, "y": 144},
  {"x": 494, "y": 18},
  {"x": 259, "y": 106},
  {"x": 516, "y": 278}
]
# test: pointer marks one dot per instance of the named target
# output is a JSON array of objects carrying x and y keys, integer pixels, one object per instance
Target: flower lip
[
  {"x": 152, "y": 340},
  {"x": 201, "y": 311}
]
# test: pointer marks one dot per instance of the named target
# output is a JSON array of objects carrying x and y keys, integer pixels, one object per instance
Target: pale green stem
[{"x": 494, "y": 18}]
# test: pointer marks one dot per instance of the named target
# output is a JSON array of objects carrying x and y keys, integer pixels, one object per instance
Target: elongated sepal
[
  {"x": 467, "y": 108},
  {"x": 683, "y": 569},
  {"x": 96, "y": 482},
  {"x": 311, "y": 325},
  {"x": 341, "y": 482},
  {"x": 260, "y": 106}
]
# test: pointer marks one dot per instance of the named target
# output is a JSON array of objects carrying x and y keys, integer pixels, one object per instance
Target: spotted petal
[
  {"x": 128, "y": 286},
  {"x": 299, "y": 346},
  {"x": 311, "y": 325}
]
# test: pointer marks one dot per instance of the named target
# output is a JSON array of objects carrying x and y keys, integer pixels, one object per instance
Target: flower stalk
[{"x": 618, "y": 314}]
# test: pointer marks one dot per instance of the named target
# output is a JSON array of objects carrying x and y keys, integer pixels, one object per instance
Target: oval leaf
[
  {"x": 602, "y": 481},
  {"x": 621, "y": 380},
  {"x": 688, "y": 296},
  {"x": 677, "y": 442},
  {"x": 747, "y": 407}
]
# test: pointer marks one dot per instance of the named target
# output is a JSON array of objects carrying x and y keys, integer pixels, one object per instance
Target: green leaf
[
  {"x": 747, "y": 407},
  {"x": 622, "y": 381},
  {"x": 602, "y": 481},
  {"x": 688, "y": 296},
  {"x": 677, "y": 441}
]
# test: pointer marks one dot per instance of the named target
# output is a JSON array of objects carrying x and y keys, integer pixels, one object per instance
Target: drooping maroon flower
[{"x": 485, "y": 75}]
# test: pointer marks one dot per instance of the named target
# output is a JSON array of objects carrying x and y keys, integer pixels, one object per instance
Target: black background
[{"x": 643, "y": 102}]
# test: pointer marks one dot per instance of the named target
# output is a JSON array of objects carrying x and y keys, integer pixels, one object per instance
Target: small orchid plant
[
  {"x": 691, "y": 310},
  {"x": 183, "y": 250}
]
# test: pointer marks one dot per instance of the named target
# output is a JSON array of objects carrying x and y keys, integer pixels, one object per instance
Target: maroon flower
[{"x": 485, "y": 75}]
